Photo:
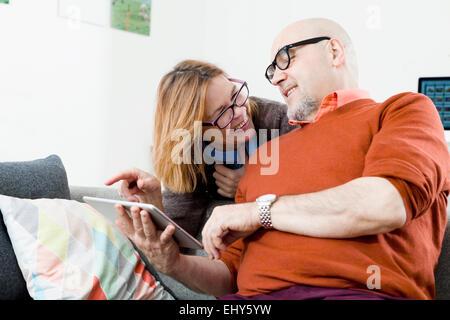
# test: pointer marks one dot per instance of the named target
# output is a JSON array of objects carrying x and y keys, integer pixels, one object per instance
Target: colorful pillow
[{"x": 68, "y": 250}]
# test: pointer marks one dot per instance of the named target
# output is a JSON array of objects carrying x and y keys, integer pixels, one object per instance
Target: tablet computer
[{"x": 159, "y": 218}]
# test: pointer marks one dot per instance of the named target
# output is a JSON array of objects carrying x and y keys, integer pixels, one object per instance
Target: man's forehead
[
  {"x": 284, "y": 38},
  {"x": 298, "y": 31}
]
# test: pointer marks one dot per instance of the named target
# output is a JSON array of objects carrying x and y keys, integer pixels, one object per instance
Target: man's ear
[{"x": 337, "y": 52}]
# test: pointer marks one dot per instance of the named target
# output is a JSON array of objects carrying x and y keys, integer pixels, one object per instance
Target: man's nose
[{"x": 278, "y": 77}]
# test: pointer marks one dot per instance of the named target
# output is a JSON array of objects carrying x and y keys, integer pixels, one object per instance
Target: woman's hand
[
  {"x": 137, "y": 182},
  {"x": 227, "y": 180},
  {"x": 158, "y": 246}
]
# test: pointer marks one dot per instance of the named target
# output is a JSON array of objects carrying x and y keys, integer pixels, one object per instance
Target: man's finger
[
  {"x": 137, "y": 222},
  {"x": 148, "y": 226},
  {"x": 231, "y": 237},
  {"x": 167, "y": 234},
  {"x": 205, "y": 240},
  {"x": 209, "y": 247},
  {"x": 217, "y": 241},
  {"x": 123, "y": 221},
  {"x": 209, "y": 250}
]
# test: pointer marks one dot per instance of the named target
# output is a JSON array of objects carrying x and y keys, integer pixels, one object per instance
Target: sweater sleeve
[
  {"x": 186, "y": 209},
  {"x": 410, "y": 151}
]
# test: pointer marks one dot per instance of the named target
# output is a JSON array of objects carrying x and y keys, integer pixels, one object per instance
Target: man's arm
[
  {"x": 204, "y": 275},
  {"x": 161, "y": 250},
  {"x": 363, "y": 206}
]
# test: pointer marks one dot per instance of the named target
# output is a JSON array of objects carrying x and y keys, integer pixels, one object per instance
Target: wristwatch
[{"x": 264, "y": 203}]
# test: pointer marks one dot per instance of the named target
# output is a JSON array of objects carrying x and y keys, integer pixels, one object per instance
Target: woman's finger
[
  {"x": 224, "y": 171},
  {"x": 149, "y": 183},
  {"x": 225, "y": 187},
  {"x": 130, "y": 174},
  {"x": 223, "y": 179},
  {"x": 124, "y": 189},
  {"x": 226, "y": 194},
  {"x": 226, "y": 190}
]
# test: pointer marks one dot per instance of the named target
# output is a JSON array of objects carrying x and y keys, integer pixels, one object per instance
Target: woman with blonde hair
[{"x": 197, "y": 101}]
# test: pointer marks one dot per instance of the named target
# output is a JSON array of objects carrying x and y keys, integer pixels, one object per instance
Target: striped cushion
[{"x": 68, "y": 250}]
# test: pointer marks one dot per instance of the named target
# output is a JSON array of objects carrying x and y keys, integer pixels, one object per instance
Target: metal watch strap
[{"x": 265, "y": 217}]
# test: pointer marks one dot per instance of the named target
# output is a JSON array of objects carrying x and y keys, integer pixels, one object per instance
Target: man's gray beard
[{"x": 303, "y": 110}]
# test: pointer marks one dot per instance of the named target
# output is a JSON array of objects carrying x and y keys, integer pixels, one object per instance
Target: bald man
[{"x": 357, "y": 209}]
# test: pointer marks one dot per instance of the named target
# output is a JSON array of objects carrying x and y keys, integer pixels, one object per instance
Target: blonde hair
[{"x": 180, "y": 102}]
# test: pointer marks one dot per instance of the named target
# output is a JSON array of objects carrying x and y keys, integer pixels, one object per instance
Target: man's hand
[
  {"x": 227, "y": 224},
  {"x": 227, "y": 180},
  {"x": 158, "y": 246},
  {"x": 137, "y": 182}
]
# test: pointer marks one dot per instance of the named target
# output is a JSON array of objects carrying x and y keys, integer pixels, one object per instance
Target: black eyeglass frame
[
  {"x": 286, "y": 48},
  {"x": 214, "y": 123}
]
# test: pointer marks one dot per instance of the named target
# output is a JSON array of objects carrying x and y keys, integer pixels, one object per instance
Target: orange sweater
[{"x": 402, "y": 140}]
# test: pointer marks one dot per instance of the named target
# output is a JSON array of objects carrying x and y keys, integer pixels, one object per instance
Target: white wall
[{"x": 87, "y": 92}]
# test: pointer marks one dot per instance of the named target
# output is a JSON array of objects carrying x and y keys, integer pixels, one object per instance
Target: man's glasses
[
  {"x": 226, "y": 115},
  {"x": 283, "y": 59}
]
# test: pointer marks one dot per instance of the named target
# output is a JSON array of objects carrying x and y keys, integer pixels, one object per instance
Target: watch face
[{"x": 267, "y": 198}]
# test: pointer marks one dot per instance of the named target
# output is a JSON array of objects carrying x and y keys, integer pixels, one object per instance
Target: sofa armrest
[{"x": 78, "y": 192}]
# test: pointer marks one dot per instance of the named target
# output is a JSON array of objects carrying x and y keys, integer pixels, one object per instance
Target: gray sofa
[{"x": 46, "y": 178}]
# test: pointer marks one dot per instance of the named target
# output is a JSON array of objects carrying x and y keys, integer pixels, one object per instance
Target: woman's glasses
[{"x": 226, "y": 115}]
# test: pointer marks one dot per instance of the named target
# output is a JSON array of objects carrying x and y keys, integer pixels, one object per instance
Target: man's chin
[
  {"x": 293, "y": 116},
  {"x": 303, "y": 111}
]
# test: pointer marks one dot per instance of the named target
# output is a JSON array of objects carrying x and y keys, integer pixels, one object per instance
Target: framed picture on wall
[{"x": 131, "y": 15}]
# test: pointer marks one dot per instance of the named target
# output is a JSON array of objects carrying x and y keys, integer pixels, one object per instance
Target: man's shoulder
[
  {"x": 406, "y": 98},
  {"x": 407, "y": 102}
]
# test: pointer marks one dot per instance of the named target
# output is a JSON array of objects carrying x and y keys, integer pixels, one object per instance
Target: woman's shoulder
[
  {"x": 271, "y": 114},
  {"x": 268, "y": 104}
]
